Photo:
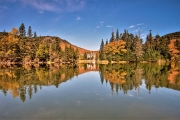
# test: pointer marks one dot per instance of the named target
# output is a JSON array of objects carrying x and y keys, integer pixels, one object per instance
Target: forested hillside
[
  {"x": 129, "y": 47},
  {"x": 17, "y": 46}
]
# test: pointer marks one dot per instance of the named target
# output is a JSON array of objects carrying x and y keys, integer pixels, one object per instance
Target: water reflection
[
  {"x": 128, "y": 77},
  {"x": 24, "y": 81}
]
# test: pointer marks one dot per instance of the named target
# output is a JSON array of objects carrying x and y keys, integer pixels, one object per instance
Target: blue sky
[{"x": 86, "y": 22}]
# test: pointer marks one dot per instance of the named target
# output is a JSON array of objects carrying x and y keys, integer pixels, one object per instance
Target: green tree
[
  {"x": 102, "y": 53},
  {"x": 106, "y": 42},
  {"x": 117, "y": 35},
  {"x": 30, "y": 32},
  {"x": 42, "y": 52},
  {"x": 22, "y": 30},
  {"x": 85, "y": 56},
  {"x": 35, "y": 35},
  {"x": 76, "y": 54},
  {"x": 125, "y": 34},
  {"x": 137, "y": 46},
  {"x": 112, "y": 36}
]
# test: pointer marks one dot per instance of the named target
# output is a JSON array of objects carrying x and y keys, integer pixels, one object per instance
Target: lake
[{"x": 90, "y": 91}]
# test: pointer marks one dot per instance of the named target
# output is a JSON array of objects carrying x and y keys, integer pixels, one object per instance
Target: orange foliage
[
  {"x": 172, "y": 48},
  {"x": 116, "y": 47},
  {"x": 115, "y": 77},
  {"x": 172, "y": 74}
]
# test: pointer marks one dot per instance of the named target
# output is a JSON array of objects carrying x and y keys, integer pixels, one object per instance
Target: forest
[
  {"x": 129, "y": 47},
  {"x": 17, "y": 46}
]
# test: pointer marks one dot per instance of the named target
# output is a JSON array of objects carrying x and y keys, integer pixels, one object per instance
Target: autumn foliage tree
[
  {"x": 15, "y": 46},
  {"x": 115, "y": 50}
]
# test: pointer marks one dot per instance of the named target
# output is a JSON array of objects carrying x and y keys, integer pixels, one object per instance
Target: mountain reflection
[{"x": 24, "y": 81}]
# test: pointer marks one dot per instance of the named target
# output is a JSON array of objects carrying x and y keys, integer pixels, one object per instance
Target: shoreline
[{"x": 86, "y": 62}]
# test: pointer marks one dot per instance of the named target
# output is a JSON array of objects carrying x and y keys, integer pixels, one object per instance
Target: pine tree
[
  {"x": 35, "y": 35},
  {"x": 150, "y": 42},
  {"x": 22, "y": 30},
  {"x": 117, "y": 35},
  {"x": 102, "y": 45},
  {"x": 30, "y": 32},
  {"x": 125, "y": 34},
  {"x": 85, "y": 56},
  {"x": 102, "y": 52},
  {"x": 112, "y": 36},
  {"x": 106, "y": 42},
  {"x": 137, "y": 45}
]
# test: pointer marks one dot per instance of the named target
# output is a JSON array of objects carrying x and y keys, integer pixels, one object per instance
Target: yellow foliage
[
  {"x": 10, "y": 39},
  {"x": 116, "y": 47},
  {"x": 116, "y": 77},
  {"x": 14, "y": 31}
]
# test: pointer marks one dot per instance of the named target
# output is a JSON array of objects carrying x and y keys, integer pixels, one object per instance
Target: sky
[{"x": 85, "y": 23}]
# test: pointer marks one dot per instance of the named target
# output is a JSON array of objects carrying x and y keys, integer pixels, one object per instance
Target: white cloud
[
  {"x": 56, "y": 5},
  {"x": 109, "y": 26},
  {"x": 75, "y": 5},
  {"x": 41, "y": 5},
  {"x": 56, "y": 19},
  {"x": 140, "y": 24},
  {"x": 101, "y": 22},
  {"x": 136, "y": 30},
  {"x": 78, "y": 18},
  {"x": 4, "y": 7},
  {"x": 40, "y": 12},
  {"x": 144, "y": 26},
  {"x": 132, "y": 26},
  {"x": 130, "y": 95}
]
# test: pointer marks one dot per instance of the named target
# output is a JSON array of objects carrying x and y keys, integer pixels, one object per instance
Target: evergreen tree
[
  {"x": 137, "y": 46},
  {"x": 102, "y": 52},
  {"x": 30, "y": 32},
  {"x": 128, "y": 38},
  {"x": 157, "y": 42},
  {"x": 117, "y": 35},
  {"x": 76, "y": 54},
  {"x": 22, "y": 30},
  {"x": 85, "y": 56},
  {"x": 106, "y": 42},
  {"x": 125, "y": 34},
  {"x": 102, "y": 45},
  {"x": 150, "y": 42},
  {"x": 35, "y": 35},
  {"x": 152, "y": 52},
  {"x": 112, "y": 36},
  {"x": 164, "y": 49}
]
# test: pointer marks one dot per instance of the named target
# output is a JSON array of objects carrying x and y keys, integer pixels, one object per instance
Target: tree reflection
[
  {"x": 126, "y": 77},
  {"x": 25, "y": 81}
]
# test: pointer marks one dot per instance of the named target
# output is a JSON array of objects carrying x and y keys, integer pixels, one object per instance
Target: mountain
[
  {"x": 64, "y": 43},
  {"x": 174, "y": 35}
]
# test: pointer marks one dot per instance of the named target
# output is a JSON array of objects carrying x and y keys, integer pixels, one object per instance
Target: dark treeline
[
  {"x": 17, "y": 46},
  {"x": 129, "y": 47}
]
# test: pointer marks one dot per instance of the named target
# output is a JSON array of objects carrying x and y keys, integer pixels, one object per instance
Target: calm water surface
[{"x": 90, "y": 92}]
